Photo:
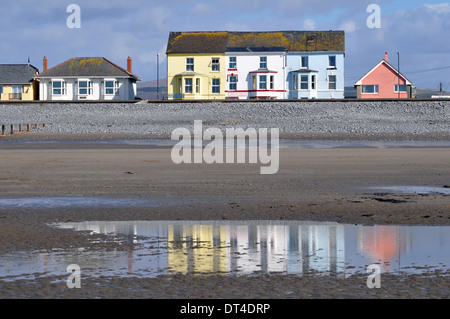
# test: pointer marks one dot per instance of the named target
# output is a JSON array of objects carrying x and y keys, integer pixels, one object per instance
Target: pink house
[{"x": 384, "y": 82}]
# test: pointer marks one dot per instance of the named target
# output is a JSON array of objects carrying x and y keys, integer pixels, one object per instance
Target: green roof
[
  {"x": 290, "y": 41},
  {"x": 87, "y": 67}
]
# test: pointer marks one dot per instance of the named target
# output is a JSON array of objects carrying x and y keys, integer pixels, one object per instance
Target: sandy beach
[{"x": 337, "y": 184}]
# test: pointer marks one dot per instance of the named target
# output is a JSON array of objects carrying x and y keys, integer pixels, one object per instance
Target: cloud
[
  {"x": 201, "y": 9},
  {"x": 348, "y": 26},
  {"x": 309, "y": 25},
  {"x": 442, "y": 8}
]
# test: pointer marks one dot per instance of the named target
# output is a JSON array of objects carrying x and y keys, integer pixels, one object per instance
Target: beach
[{"x": 335, "y": 176}]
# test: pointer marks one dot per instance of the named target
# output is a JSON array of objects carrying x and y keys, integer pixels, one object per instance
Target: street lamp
[
  {"x": 157, "y": 76},
  {"x": 398, "y": 73}
]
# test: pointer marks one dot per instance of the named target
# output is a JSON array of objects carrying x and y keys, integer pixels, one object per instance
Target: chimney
[
  {"x": 45, "y": 64},
  {"x": 129, "y": 65},
  {"x": 386, "y": 57}
]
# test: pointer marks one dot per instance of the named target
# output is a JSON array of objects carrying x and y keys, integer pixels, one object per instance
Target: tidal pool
[{"x": 233, "y": 248}]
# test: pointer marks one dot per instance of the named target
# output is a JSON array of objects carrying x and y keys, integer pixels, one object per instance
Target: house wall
[
  {"x": 246, "y": 64},
  {"x": 176, "y": 64},
  {"x": 386, "y": 79},
  {"x": 126, "y": 91},
  {"x": 29, "y": 92},
  {"x": 317, "y": 61}
]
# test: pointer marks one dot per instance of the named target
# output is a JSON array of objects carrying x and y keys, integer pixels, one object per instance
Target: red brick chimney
[
  {"x": 129, "y": 65},
  {"x": 386, "y": 57},
  {"x": 45, "y": 64}
]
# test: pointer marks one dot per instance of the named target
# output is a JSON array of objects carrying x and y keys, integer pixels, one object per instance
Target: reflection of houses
[
  {"x": 17, "y": 82},
  {"x": 293, "y": 249},
  {"x": 91, "y": 78},
  {"x": 384, "y": 81}
]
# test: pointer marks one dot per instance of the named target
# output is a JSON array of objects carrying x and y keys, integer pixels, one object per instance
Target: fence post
[{"x": 3, "y": 130}]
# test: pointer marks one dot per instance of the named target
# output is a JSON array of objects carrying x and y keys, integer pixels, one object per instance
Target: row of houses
[{"x": 216, "y": 65}]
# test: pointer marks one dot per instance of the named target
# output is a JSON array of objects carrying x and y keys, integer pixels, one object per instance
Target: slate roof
[
  {"x": 87, "y": 67},
  {"x": 222, "y": 41},
  {"x": 17, "y": 73}
]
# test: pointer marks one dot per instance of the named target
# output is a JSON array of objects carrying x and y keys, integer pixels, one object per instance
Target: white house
[
  {"x": 255, "y": 74},
  {"x": 87, "y": 78}
]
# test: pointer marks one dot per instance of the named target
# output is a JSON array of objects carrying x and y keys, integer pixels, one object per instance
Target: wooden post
[
  {"x": 28, "y": 128},
  {"x": 12, "y": 129},
  {"x": 20, "y": 128},
  {"x": 43, "y": 125},
  {"x": 36, "y": 126},
  {"x": 3, "y": 130}
]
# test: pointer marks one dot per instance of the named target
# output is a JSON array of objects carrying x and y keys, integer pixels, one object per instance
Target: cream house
[{"x": 87, "y": 78}]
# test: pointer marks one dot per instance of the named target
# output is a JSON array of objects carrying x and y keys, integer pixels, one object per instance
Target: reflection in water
[{"x": 244, "y": 247}]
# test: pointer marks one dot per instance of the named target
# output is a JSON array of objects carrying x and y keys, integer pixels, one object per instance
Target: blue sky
[{"x": 116, "y": 29}]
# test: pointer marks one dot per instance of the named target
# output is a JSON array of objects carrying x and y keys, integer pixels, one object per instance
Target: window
[
  {"x": 197, "y": 86},
  {"x": 403, "y": 88},
  {"x": 263, "y": 62},
  {"x": 272, "y": 82},
  {"x": 232, "y": 64},
  {"x": 295, "y": 82},
  {"x": 188, "y": 86},
  {"x": 111, "y": 87},
  {"x": 254, "y": 82},
  {"x": 1, "y": 89},
  {"x": 332, "y": 61},
  {"x": 304, "y": 82},
  {"x": 216, "y": 86},
  {"x": 369, "y": 89},
  {"x": 58, "y": 88},
  {"x": 262, "y": 82},
  {"x": 313, "y": 82},
  {"x": 233, "y": 83},
  {"x": 332, "y": 82},
  {"x": 215, "y": 64},
  {"x": 304, "y": 62},
  {"x": 189, "y": 64},
  {"x": 84, "y": 87}
]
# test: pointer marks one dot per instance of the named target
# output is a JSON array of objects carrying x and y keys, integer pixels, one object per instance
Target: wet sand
[{"x": 311, "y": 184}]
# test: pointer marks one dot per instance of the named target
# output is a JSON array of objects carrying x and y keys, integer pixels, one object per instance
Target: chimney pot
[
  {"x": 45, "y": 64},
  {"x": 129, "y": 65},
  {"x": 386, "y": 57}
]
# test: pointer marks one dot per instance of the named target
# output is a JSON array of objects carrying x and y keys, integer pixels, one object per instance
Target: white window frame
[
  {"x": 272, "y": 82},
  {"x": 89, "y": 88},
  {"x": 215, "y": 86},
  {"x": 262, "y": 82},
  {"x": 295, "y": 81},
  {"x": 232, "y": 64},
  {"x": 115, "y": 87},
  {"x": 263, "y": 62},
  {"x": 197, "y": 85},
  {"x": 313, "y": 82},
  {"x": 330, "y": 82},
  {"x": 302, "y": 64},
  {"x": 232, "y": 83},
  {"x": 215, "y": 64},
  {"x": 330, "y": 57},
  {"x": 401, "y": 85},
  {"x": 189, "y": 64},
  {"x": 188, "y": 88},
  {"x": 63, "y": 87},
  {"x": 375, "y": 89},
  {"x": 303, "y": 81}
]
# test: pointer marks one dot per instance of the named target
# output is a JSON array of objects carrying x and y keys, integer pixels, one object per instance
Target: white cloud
[
  {"x": 438, "y": 8},
  {"x": 309, "y": 25},
  {"x": 201, "y": 9},
  {"x": 348, "y": 26}
]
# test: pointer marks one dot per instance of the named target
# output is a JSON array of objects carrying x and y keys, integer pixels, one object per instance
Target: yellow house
[
  {"x": 17, "y": 82},
  {"x": 196, "y": 65}
]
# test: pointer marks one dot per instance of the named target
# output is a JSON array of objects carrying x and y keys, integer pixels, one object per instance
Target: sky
[{"x": 415, "y": 32}]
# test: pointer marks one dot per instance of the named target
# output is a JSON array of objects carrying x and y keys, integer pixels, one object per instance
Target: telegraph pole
[
  {"x": 157, "y": 76},
  {"x": 398, "y": 71}
]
